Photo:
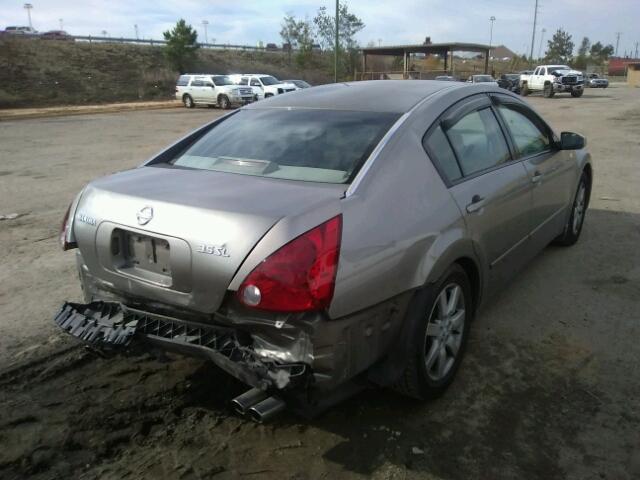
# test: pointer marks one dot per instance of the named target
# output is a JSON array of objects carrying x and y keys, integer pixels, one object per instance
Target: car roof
[{"x": 397, "y": 96}]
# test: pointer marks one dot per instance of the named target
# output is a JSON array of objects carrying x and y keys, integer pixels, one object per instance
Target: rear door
[
  {"x": 197, "y": 89},
  {"x": 551, "y": 171},
  {"x": 492, "y": 190}
]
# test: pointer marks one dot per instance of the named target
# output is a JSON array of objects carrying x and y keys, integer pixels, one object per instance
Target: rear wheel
[
  {"x": 548, "y": 91},
  {"x": 188, "y": 101},
  {"x": 267, "y": 95},
  {"x": 577, "y": 93},
  {"x": 223, "y": 102},
  {"x": 574, "y": 225},
  {"x": 440, "y": 322}
]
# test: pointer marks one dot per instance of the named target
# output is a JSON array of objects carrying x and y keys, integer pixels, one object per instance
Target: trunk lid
[{"x": 177, "y": 236}]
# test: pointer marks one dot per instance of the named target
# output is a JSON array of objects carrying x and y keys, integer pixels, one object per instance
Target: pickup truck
[
  {"x": 264, "y": 86},
  {"x": 552, "y": 79}
]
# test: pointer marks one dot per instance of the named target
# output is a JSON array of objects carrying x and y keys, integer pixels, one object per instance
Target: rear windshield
[
  {"x": 483, "y": 78},
  {"x": 309, "y": 145}
]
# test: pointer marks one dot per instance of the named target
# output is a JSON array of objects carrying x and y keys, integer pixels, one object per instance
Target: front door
[{"x": 550, "y": 170}]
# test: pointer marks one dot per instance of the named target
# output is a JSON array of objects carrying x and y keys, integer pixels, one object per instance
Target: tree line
[{"x": 561, "y": 47}]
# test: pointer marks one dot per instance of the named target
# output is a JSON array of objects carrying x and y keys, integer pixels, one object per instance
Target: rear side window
[
  {"x": 326, "y": 146},
  {"x": 255, "y": 83},
  {"x": 478, "y": 142},
  {"x": 197, "y": 83},
  {"x": 528, "y": 137},
  {"x": 244, "y": 81},
  {"x": 439, "y": 150},
  {"x": 183, "y": 81}
]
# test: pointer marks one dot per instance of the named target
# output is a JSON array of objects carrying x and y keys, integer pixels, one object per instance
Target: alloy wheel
[
  {"x": 578, "y": 208},
  {"x": 444, "y": 332}
]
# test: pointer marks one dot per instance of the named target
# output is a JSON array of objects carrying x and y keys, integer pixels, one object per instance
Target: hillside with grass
[{"x": 36, "y": 72}]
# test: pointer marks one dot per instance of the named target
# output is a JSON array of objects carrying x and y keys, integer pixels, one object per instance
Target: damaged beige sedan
[{"x": 326, "y": 240}]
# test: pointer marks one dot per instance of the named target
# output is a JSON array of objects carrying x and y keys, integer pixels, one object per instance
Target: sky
[{"x": 387, "y": 22}]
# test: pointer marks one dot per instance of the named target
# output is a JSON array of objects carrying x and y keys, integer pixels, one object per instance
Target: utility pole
[
  {"x": 28, "y": 7},
  {"x": 541, "y": 38},
  {"x": 617, "y": 42},
  {"x": 337, "y": 47},
  {"x": 204, "y": 24},
  {"x": 61, "y": 24},
  {"x": 636, "y": 55},
  {"x": 136, "y": 29},
  {"x": 533, "y": 33}
]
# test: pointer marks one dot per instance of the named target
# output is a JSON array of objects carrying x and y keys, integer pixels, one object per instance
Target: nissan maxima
[{"x": 328, "y": 240}]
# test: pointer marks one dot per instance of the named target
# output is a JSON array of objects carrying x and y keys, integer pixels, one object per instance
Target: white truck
[
  {"x": 213, "y": 90},
  {"x": 552, "y": 79},
  {"x": 264, "y": 86}
]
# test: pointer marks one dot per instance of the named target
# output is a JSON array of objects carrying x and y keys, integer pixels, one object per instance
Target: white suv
[
  {"x": 264, "y": 86},
  {"x": 209, "y": 89}
]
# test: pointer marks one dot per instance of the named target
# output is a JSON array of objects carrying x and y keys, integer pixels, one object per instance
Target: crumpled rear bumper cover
[{"x": 112, "y": 326}]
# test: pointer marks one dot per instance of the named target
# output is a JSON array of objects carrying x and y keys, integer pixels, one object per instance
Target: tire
[
  {"x": 573, "y": 228},
  {"x": 524, "y": 90},
  {"x": 188, "y": 101},
  {"x": 427, "y": 373},
  {"x": 548, "y": 91},
  {"x": 268, "y": 95},
  {"x": 577, "y": 93},
  {"x": 223, "y": 102}
]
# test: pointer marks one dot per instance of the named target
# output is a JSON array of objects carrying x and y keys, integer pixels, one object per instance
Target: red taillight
[
  {"x": 298, "y": 277},
  {"x": 65, "y": 233}
]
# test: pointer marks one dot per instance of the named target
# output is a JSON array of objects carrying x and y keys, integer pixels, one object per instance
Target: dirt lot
[{"x": 550, "y": 387}]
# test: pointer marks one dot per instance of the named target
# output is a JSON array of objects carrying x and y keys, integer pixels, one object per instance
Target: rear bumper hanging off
[{"x": 110, "y": 325}]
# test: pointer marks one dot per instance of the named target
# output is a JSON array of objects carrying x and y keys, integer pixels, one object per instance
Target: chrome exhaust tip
[
  {"x": 266, "y": 409},
  {"x": 242, "y": 403}
]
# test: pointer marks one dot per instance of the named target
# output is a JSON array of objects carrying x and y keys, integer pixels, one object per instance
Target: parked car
[
  {"x": 264, "y": 86},
  {"x": 299, "y": 84},
  {"x": 57, "y": 35},
  {"x": 552, "y": 79},
  {"x": 510, "y": 81},
  {"x": 20, "y": 30},
  {"x": 272, "y": 47},
  {"x": 446, "y": 78},
  {"x": 213, "y": 90},
  {"x": 481, "y": 79},
  {"x": 596, "y": 81},
  {"x": 307, "y": 263}
]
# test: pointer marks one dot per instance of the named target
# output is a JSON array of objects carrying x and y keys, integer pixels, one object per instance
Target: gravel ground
[{"x": 548, "y": 389}]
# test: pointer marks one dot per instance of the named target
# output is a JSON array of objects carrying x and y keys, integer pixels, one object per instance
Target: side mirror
[{"x": 572, "y": 141}]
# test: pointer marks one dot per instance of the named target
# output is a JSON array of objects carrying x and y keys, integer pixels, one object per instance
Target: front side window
[
  {"x": 269, "y": 80},
  {"x": 221, "y": 80},
  {"x": 478, "y": 142},
  {"x": 529, "y": 138},
  {"x": 311, "y": 145}
]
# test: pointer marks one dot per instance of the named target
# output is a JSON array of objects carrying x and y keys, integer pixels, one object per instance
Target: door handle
[
  {"x": 537, "y": 177},
  {"x": 477, "y": 202}
]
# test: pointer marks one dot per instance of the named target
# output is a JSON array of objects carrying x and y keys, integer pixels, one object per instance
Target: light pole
[
  {"x": 61, "y": 24},
  {"x": 204, "y": 24},
  {"x": 28, "y": 7},
  {"x": 542, "y": 32},
  {"x": 136, "y": 29},
  {"x": 491, "y": 20}
]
